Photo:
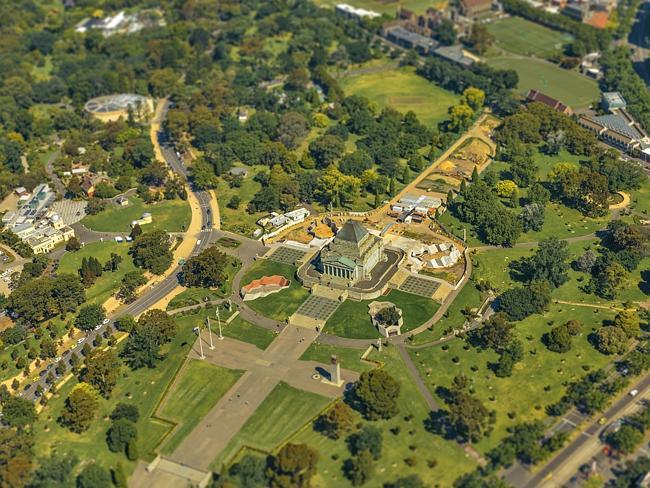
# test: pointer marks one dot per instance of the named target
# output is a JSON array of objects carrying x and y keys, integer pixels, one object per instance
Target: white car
[
  {"x": 97, "y": 327},
  {"x": 634, "y": 393},
  {"x": 80, "y": 341},
  {"x": 105, "y": 321},
  {"x": 57, "y": 359}
]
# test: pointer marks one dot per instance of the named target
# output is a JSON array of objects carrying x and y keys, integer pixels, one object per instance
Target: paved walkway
[{"x": 264, "y": 370}]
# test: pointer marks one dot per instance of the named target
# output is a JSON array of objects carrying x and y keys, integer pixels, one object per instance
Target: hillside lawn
[
  {"x": 283, "y": 412},
  {"x": 349, "y": 358},
  {"x": 278, "y": 306},
  {"x": 452, "y": 461},
  {"x": 520, "y": 36},
  {"x": 195, "y": 392},
  {"x": 570, "y": 87},
  {"x": 403, "y": 90},
  {"x": 109, "y": 282},
  {"x": 168, "y": 215},
  {"x": 238, "y": 220},
  {"x": 523, "y": 395},
  {"x": 352, "y": 320}
]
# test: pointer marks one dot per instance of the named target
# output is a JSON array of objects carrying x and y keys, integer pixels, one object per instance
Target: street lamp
[{"x": 200, "y": 343}]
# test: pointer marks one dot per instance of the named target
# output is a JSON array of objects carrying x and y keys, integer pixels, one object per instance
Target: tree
[
  {"x": 626, "y": 439},
  {"x": 360, "y": 468},
  {"x": 336, "y": 188},
  {"x": 558, "y": 339},
  {"x": 90, "y": 316},
  {"x": 608, "y": 281},
  {"x": 152, "y": 330},
  {"x": 532, "y": 217},
  {"x": 496, "y": 333},
  {"x": 537, "y": 193},
  {"x": 549, "y": 263},
  {"x": 94, "y": 475},
  {"x": 506, "y": 188},
  {"x": 293, "y": 466},
  {"x": 460, "y": 117},
  {"x": 151, "y": 251},
  {"x": 480, "y": 38},
  {"x": 586, "y": 262},
  {"x": 80, "y": 408},
  {"x": 102, "y": 370},
  {"x": 250, "y": 471},
  {"x": 611, "y": 340},
  {"x": 468, "y": 416},
  {"x": 326, "y": 150},
  {"x": 16, "y": 452},
  {"x": 445, "y": 32},
  {"x": 376, "y": 393},
  {"x": 54, "y": 471},
  {"x": 474, "y": 98},
  {"x": 368, "y": 439},
  {"x": 292, "y": 129},
  {"x": 125, "y": 411},
  {"x": 628, "y": 321},
  {"x": 356, "y": 163},
  {"x": 72, "y": 244},
  {"x": 206, "y": 270},
  {"x": 131, "y": 281},
  {"x": 18, "y": 412},
  {"x": 337, "y": 421},
  {"x": 120, "y": 433}
]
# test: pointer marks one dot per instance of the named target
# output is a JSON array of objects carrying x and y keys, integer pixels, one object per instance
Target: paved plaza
[
  {"x": 287, "y": 255},
  {"x": 417, "y": 285},
  {"x": 319, "y": 308},
  {"x": 70, "y": 211}
]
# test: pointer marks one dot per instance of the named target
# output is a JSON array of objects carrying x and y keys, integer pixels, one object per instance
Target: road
[
  {"x": 156, "y": 292},
  {"x": 569, "y": 459},
  {"x": 637, "y": 41}
]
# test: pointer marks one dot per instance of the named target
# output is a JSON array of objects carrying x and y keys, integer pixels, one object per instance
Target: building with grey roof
[
  {"x": 455, "y": 54},
  {"x": 612, "y": 101},
  {"x": 411, "y": 40}
]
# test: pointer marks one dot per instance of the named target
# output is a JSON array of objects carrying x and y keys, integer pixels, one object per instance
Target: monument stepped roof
[{"x": 352, "y": 231}]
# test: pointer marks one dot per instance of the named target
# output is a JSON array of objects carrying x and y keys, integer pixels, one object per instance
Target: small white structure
[
  {"x": 350, "y": 12},
  {"x": 419, "y": 204},
  {"x": 387, "y": 330},
  {"x": 145, "y": 219}
]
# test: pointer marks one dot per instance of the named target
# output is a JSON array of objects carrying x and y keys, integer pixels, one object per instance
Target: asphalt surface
[
  {"x": 147, "y": 299},
  {"x": 521, "y": 478}
]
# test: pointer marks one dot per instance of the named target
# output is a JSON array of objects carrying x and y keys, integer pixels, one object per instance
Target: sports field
[
  {"x": 567, "y": 86},
  {"x": 403, "y": 90},
  {"x": 520, "y": 36}
]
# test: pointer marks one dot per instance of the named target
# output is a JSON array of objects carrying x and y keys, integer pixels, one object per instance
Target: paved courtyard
[
  {"x": 70, "y": 211},
  {"x": 318, "y": 308},
  {"x": 287, "y": 255},
  {"x": 419, "y": 286}
]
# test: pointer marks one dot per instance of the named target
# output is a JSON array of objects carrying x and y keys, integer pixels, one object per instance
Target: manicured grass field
[
  {"x": 283, "y": 412},
  {"x": 521, "y": 36},
  {"x": 524, "y": 395},
  {"x": 196, "y": 391},
  {"x": 109, "y": 282},
  {"x": 640, "y": 199},
  {"x": 281, "y": 305},
  {"x": 567, "y": 86},
  {"x": 351, "y": 319},
  {"x": 350, "y": 358},
  {"x": 238, "y": 329},
  {"x": 403, "y": 90},
  {"x": 143, "y": 387},
  {"x": 168, "y": 215},
  {"x": 413, "y": 411}
]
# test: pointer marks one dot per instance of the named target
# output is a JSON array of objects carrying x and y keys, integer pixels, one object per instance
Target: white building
[{"x": 350, "y": 12}]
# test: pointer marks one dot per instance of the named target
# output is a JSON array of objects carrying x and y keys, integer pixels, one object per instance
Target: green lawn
[
  {"x": 350, "y": 358},
  {"x": 523, "y": 394},
  {"x": 194, "y": 296},
  {"x": 109, "y": 282},
  {"x": 278, "y": 306},
  {"x": 451, "y": 459},
  {"x": 169, "y": 215},
  {"x": 640, "y": 199},
  {"x": 351, "y": 319},
  {"x": 526, "y": 38},
  {"x": 238, "y": 329},
  {"x": 403, "y": 90},
  {"x": 570, "y": 87},
  {"x": 283, "y": 412},
  {"x": 198, "y": 389},
  {"x": 143, "y": 387},
  {"x": 453, "y": 318}
]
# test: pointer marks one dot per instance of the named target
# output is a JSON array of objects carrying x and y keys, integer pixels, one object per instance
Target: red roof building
[{"x": 535, "y": 96}]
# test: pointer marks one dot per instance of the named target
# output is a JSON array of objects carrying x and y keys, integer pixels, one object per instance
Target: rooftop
[
  {"x": 618, "y": 123},
  {"x": 352, "y": 231}
]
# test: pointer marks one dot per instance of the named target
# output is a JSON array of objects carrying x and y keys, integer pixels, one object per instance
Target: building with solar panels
[{"x": 112, "y": 107}]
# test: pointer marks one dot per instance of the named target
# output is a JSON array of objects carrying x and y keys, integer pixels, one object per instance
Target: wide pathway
[{"x": 264, "y": 370}]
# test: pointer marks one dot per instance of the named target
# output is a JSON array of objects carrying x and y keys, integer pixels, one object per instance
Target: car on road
[
  {"x": 105, "y": 321},
  {"x": 602, "y": 421},
  {"x": 56, "y": 359},
  {"x": 634, "y": 393},
  {"x": 79, "y": 341},
  {"x": 97, "y": 327}
]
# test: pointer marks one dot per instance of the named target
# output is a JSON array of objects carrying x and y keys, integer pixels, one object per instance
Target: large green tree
[
  {"x": 376, "y": 393},
  {"x": 151, "y": 251}
]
